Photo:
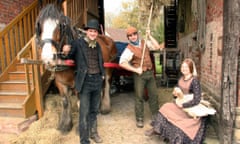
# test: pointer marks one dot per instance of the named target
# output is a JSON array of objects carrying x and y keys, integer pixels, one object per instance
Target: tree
[
  {"x": 128, "y": 16},
  {"x": 134, "y": 14}
]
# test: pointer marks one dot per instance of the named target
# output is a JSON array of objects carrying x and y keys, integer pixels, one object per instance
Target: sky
[{"x": 113, "y": 5}]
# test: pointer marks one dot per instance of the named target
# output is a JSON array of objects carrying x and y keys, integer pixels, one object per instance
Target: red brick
[{"x": 10, "y": 9}]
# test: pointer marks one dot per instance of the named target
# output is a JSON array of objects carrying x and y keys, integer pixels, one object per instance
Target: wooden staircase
[
  {"x": 22, "y": 86},
  {"x": 13, "y": 92}
]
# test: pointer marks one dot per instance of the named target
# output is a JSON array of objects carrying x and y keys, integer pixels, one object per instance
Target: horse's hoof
[
  {"x": 104, "y": 112},
  {"x": 65, "y": 128}
]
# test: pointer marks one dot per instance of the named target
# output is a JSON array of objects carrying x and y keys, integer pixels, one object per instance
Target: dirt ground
[{"x": 117, "y": 127}]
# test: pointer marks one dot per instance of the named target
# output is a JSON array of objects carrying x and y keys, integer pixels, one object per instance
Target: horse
[{"x": 53, "y": 31}]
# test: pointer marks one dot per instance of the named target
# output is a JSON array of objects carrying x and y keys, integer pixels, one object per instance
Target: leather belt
[
  {"x": 147, "y": 70},
  {"x": 92, "y": 75}
]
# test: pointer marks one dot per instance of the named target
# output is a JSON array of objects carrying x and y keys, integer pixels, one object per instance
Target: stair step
[
  {"x": 8, "y": 96},
  {"x": 20, "y": 67},
  {"x": 17, "y": 75},
  {"x": 10, "y": 112},
  {"x": 13, "y": 85},
  {"x": 10, "y": 105},
  {"x": 11, "y": 109}
]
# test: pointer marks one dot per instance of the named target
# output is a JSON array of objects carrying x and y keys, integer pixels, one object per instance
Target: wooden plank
[
  {"x": 37, "y": 83},
  {"x": 2, "y": 60},
  {"x": 25, "y": 28},
  {"x": 231, "y": 30},
  {"x": 29, "y": 106},
  {"x": 21, "y": 36},
  {"x": 11, "y": 44},
  {"x": 11, "y": 105},
  {"x": 13, "y": 85},
  {"x": 29, "y": 27},
  {"x": 12, "y": 112},
  {"x": 8, "y": 52},
  {"x": 33, "y": 19},
  {"x": 16, "y": 38}
]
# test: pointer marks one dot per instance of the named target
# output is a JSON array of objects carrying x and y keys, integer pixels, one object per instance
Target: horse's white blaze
[{"x": 49, "y": 26}]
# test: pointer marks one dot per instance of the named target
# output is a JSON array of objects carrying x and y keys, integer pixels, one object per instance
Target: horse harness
[{"x": 66, "y": 36}]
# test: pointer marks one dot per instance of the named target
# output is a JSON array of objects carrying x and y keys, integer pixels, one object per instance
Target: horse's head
[{"x": 53, "y": 30}]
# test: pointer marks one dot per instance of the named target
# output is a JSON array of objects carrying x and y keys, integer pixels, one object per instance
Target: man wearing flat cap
[
  {"x": 86, "y": 52},
  {"x": 132, "y": 59}
]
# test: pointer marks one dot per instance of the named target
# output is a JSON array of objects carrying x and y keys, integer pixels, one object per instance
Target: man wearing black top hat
[{"x": 86, "y": 53}]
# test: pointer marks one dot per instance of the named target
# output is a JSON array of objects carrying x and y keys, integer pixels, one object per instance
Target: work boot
[
  {"x": 94, "y": 134},
  {"x": 96, "y": 138},
  {"x": 140, "y": 123}
]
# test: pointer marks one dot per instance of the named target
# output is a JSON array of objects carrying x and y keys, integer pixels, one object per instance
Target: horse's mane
[{"x": 51, "y": 11}]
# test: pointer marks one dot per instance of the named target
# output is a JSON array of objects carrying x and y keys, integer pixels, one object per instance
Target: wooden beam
[{"x": 231, "y": 31}]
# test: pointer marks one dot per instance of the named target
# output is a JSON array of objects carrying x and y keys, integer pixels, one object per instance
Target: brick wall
[
  {"x": 214, "y": 9},
  {"x": 9, "y": 9},
  {"x": 209, "y": 62}
]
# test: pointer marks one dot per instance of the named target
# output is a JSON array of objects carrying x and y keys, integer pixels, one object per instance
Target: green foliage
[
  {"x": 131, "y": 16},
  {"x": 158, "y": 33},
  {"x": 128, "y": 16}
]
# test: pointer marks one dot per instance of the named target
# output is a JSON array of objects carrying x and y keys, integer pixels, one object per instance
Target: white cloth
[{"x": 202, "y": 109}]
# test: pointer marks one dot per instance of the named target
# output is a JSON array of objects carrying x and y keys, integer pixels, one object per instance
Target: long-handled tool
[{"x": 148, "y": 25}]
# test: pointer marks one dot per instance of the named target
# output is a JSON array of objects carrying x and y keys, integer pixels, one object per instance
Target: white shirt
[{"x": 127, "y": 54}]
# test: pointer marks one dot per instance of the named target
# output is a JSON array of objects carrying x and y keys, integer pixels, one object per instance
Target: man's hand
[
  {"x": 66, "y": 49},
  {"x": 139, "y": 70},
  {"x": 148, "y": 32}
]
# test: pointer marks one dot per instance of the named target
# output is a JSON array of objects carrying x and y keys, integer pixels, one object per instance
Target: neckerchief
[
  {"x": 91, "y": 43},
  {"x": 136, "y": 43}
]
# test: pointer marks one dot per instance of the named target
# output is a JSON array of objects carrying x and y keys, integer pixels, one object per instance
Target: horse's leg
[
  {"x": 105, "y": 101},
  {"x": 65, "y": 123}
]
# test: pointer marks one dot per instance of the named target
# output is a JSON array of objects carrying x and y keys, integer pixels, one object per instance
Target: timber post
[{"x": 231, "y": 32}]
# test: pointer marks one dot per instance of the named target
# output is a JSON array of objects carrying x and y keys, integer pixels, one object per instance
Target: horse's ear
[
  {"x": 38, "y": 29},
  {"x": 58, "y": 3},
  {"x": 40, "y": 4}
]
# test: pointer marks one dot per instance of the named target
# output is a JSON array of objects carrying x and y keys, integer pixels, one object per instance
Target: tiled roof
[{"x": 116, "y": 34}]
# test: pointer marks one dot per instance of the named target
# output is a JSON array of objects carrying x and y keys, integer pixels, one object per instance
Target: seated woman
[{"x": 172, "y": 122}]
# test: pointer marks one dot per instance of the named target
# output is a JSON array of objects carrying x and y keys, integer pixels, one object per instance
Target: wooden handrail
[
  {"x": 22, "y": 53},
  {"x": 17, "y": 34}
]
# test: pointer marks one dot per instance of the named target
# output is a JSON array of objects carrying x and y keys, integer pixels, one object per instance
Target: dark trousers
[
  {"x": 146, "y": 80},
  {"x": 90, "y": 97}
]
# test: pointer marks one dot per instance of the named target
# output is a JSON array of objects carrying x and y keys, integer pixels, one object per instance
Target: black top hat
[{"x": 92, "y": 24}]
